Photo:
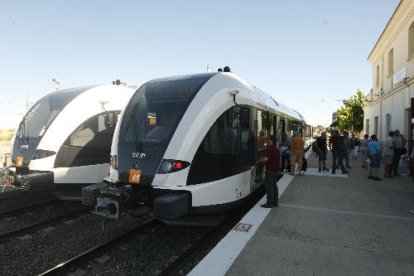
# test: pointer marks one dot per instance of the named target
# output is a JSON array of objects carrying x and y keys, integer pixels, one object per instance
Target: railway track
[
  {"x": 208, "y": 240},
  {"x": 179, "y": 258},
  {"x": 151, "y": 248},
  {"x": 94, "y": 251},
  {"x": 36, "y": 226},
  {"x": 29, "y": 207}
]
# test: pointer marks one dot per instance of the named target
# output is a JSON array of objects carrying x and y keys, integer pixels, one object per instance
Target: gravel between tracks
[
  {"x": 51, "y": 246},
  {"x": 36, "y": 215}
]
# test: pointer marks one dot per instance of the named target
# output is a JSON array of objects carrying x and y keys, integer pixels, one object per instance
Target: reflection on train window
[
  {"x": 294, "y": 127},
  {"x": 156, "y": 109},
  {"x": 90, "y": 143},
  {"x": 260, "y": 134},
  {"x": 42, "y": 114},
  {"x": 163, "y": 120},
  {"x": 226, "y": 150}
]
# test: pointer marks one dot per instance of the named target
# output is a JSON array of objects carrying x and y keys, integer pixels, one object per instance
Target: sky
[{"x": 307, "y": 54}]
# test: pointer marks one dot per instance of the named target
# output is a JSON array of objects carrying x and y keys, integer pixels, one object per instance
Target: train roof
[
  {"x": 267, "y": 102},
  {"x": 80, "y": 89},
  {"x": 261, "y": 98},
  {"x": 184, "y": 77}
]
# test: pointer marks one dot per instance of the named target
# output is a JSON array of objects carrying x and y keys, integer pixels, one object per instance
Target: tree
[
  {"x": 351, "y": 114},
  {"x": 318, "y": 129}
]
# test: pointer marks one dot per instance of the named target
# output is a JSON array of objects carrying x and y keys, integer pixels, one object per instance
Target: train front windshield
[
  {"x": 42, "y": 114},
  {"x": 38, "y": 119},
  {"x": 156, "y": 109},
  {"x": 150, "y": 120}
]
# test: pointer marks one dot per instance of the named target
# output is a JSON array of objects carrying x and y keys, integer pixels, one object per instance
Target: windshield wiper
[
  {"x": 24, "y": 139},
  {"x": 135, "y": 131}
]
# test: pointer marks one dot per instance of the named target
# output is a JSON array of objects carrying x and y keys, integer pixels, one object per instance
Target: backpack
[
  {"x": 314, "y": 147},
  {"x": 304, "y": 164}
]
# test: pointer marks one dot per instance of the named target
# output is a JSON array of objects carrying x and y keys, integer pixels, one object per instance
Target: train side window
[
  {"x": 259, "y": 130},
  {"x": 90, "y": 143},
  {"x": 280, "y": 128},
  {"x": 226, "y": 150}
]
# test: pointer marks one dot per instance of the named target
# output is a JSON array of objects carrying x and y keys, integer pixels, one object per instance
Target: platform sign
[
  {"x": 242, "y": 227},
  {"x": 399, "y": 76}
]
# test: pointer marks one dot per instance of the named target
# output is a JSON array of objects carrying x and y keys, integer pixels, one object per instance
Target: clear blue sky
[{"x": 301, "y": 52}]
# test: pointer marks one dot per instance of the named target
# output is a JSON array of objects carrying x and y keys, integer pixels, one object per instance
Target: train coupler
[{"x": 113, "y": 200}]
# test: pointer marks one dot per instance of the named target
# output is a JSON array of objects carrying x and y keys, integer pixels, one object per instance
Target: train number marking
[
  {"x": 139, "y": 155},
  {"x": 240, "y": 193}
]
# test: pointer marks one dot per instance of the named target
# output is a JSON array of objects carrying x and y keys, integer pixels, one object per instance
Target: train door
[
  {"x": 226, "y": 150},
  {"x": 264, "y": 125},
  {"x": 257, "y": 176}
]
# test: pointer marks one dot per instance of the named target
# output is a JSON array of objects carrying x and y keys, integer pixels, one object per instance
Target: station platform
[{"x": 342, "y": 224}]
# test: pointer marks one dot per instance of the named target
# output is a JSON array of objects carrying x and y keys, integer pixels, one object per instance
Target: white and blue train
[
  {"x": 188, "y": 145},
  {"x": 64, "y": 140}
]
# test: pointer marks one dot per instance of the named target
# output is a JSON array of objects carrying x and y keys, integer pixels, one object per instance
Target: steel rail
[
  {"x": 90, "y": 253},
  {"x": 29, "y": 207},
  {"x": 35, "y": 226}
]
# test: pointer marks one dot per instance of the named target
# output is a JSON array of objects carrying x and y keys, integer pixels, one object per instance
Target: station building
[{"x": 390, "y": 103}]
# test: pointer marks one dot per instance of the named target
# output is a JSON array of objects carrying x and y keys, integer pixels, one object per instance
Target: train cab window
[
  {"x": 156, "y": 109},
  {"x": 90, "y": 143},
  {"x": 43, "y": 112},
  {"x": 227, "y": 148}
]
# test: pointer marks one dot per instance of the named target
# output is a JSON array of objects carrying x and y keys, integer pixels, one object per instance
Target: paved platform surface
[{"x": 325, "y": 225}]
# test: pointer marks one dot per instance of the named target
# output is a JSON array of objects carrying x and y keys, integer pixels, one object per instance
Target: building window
[
  {"x": 391, "y": 62},
  {"x": 411, "y": 41},
  {"x": 376, "y": 125},
  {"x": 367, "y": 126},
  {"x": 388, "y": 126},
  {"x": 377, "y": 77}
]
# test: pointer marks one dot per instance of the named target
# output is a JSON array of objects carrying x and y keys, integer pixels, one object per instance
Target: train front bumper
[
  {"x": 112, "y": 200},
  {"x": 28, "y": 181}
]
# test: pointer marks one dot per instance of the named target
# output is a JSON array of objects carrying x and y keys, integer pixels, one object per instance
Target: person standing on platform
[
  {"x": 260, "y": 141},
  {"x": 296, "y": 153},
  {"x": 374, "y": 153},
  {"x": 355, "y": 144},
  {"x": 388, "y": 154},
  {"x": 346, "y": 148},
  {"x": 399, "y": 146},
  {"x": 322, "y": 151},
  {"x": 336, "y": 145},
  {"x": 284, "y": 147},
  {"x": 364, "y": 151},
  {"x": 272, "y": 161}
]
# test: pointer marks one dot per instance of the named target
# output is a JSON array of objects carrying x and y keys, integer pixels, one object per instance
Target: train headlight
[
  {"x": 19, "y": 161},
  {"x": 169, "y": 166},
  {"x": 39, "y": 154}
]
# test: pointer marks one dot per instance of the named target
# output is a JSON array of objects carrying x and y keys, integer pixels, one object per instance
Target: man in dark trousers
[
  {"x": 336, "y": 144},
  {"x": 272, "y": 161}
]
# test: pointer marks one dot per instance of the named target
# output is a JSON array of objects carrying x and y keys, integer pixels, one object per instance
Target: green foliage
[
  {"x": 266, "y": 121},
  {"x": 351, "y": 114}
]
